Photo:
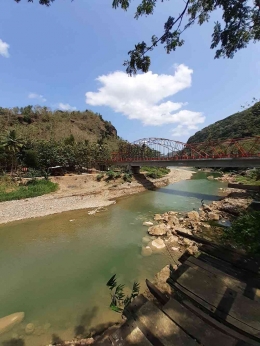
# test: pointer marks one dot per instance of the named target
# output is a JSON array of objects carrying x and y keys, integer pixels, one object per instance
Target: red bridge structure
[{"x": 235, "y": 152}]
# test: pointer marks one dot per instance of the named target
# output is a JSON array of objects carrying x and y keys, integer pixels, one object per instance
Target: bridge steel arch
[{"x": 235, "y": 152}]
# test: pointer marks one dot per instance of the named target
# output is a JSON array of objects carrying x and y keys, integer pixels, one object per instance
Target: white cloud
[
  {"x": 37, "y": 96},
  {"x": 141, "y": 97},
  {"x": 66, "y": 107},
  {"x": 4, "y": 49},
  {"x": 183, "y": 130}
]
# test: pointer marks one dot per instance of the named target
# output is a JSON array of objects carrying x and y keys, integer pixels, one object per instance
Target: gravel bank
[{"x": 80, "y": 192}]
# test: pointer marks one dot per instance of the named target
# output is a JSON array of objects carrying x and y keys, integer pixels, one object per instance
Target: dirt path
[{"x": 82, "y": 192}]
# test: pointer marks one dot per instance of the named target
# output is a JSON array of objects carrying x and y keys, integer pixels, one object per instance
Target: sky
[{"x": 70, "y": 56}]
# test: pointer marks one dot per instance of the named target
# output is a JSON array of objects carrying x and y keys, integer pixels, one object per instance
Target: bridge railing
[{"x": 158, "y": 149}]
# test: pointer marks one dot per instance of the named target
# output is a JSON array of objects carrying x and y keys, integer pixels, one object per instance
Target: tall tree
[
  {"x": 240, "y": 25},
  {"x": 12, "y": 145}
]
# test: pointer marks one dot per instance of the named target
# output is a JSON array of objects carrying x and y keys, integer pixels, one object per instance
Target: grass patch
[
  {"x": 252, "y": 178},
  {"x": 10, "y": 190},
  {"x": 247, "y": 180},
  {"x": 155, "y": 172}
]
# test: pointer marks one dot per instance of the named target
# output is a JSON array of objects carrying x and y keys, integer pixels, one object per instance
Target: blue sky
[{"x": 61, "y": 52}]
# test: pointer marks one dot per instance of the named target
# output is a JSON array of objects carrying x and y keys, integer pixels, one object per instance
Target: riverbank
[
  {"x": 163, "y": 234},
  {"x": 83, "y": 192}
]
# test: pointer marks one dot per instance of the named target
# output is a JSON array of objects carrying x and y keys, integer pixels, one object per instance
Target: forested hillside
[
  {"x": 38, "y": 138},
  {"x": 239, "y": 125},
  {"x": 43, "y": 123}
]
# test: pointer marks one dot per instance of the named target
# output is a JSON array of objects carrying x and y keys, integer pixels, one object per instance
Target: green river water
[{"x": 55, "y": 268}]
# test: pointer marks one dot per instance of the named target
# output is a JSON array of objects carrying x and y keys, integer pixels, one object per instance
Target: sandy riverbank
[{"x": 82, "y": 192}]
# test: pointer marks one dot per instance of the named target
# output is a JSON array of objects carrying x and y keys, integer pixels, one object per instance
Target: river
[{"x": 55, "y": 268}]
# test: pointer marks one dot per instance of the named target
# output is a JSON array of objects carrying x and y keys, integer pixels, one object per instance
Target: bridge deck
[{"x": 202, "y": 163}]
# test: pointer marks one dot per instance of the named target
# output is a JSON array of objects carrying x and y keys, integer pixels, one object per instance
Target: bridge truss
[{"x": 161, "y": 149}]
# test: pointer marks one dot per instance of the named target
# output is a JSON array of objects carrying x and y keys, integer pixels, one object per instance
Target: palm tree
[{"x": 12, "y": 144}]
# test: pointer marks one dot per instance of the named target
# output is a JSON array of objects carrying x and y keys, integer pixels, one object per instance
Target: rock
[
  {"x": 158, "y": 243},
  {"x": 184, "y": 230},
  {"x": 158, "y": 230},
  {"x": 187, "y": 242},
  {"x": 193, "y": 215},
  {"x": 173, "y": 221},
  {"x": 173, "y": 238},
  {"x": 89, "y": 341},
  {"x": 147, "y": 223},
  {"x": 181, "y": 219},
  {"x": 206, "y": 207},
  {"x": 146, "y": 239},
  {"x": 175, "y": 248},
  {"x": 205, "y": 226},
  {"x": 157, "y": 217},
  {"x": 210, "y": 177},
  {"x": 230, "y": 209},
  {"x": 213, "y": 216},
  {"x": 29, "y": 329},
  {"x": 192, "y": 249},
  {"x": 146, "y": 251},
  {"x": 172, "y": 213},
  {"x": 8, "y": 322}
]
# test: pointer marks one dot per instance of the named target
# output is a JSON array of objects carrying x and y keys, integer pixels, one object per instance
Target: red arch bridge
[{"x": 239, "y": 152}]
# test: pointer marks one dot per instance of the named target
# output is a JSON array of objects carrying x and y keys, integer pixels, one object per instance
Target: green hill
[
  {"x": 41, "y": 123},
  {"x": 239, "y": 125}
]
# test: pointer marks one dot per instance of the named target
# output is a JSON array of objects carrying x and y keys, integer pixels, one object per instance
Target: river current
[{"x": 55, "y": 268}]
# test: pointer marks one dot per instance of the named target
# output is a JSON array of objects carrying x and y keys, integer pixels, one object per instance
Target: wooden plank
[
  {"x": 193, "y": 325},
  {"x": 162, "y": 298},
  {"x": 229, "y": 269},
  {"x": 129, "y": 334},
  {"x": 240, "y": 261},
  {"x": 218, "y": 325},
  {"x": 161, "y": 327},
  {"x": 225, "y": 302},
  {"x": 229, "y": 323},
  {"x": 247, "y": 289}
]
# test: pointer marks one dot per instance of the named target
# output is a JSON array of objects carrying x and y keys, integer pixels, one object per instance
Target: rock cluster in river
[{"x": 166, "y": 226}]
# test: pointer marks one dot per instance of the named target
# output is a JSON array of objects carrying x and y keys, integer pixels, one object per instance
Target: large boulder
[
  {"x": 8, "y": 322},
  {"x": 213, "y": 216},
  {"x": 193, "y": 215},
  {"x": 146, "y": 251},
  {"x": 230, "y": 209},
  {"x": 158, "y": 244},
  {"x": 173, "y": 221},
  {"x": 158, "y": 230}
]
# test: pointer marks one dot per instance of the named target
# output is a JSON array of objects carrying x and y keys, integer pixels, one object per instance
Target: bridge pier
[{"x": 135, "y": 169}]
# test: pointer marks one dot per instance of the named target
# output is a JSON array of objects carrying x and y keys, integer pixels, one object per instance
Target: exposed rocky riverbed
[
  {"x": 83, "y": 192},
  {"x": 162, "y": 233}
]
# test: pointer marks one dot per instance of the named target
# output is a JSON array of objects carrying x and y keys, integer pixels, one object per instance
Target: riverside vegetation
[{"x": 37, "y": 138}]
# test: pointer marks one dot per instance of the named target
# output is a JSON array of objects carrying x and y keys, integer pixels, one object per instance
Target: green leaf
[
  {"x": 115, "y": 308},
  {"x": 112, "y": 282}
]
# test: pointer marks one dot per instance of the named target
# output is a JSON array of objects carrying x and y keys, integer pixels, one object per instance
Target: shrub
[
  {"x": 127, "y": 177},
  {"x": 100, "y": 177},
  {"x": 245, "y": 232},
  {"x": 110, "y": 175}
]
